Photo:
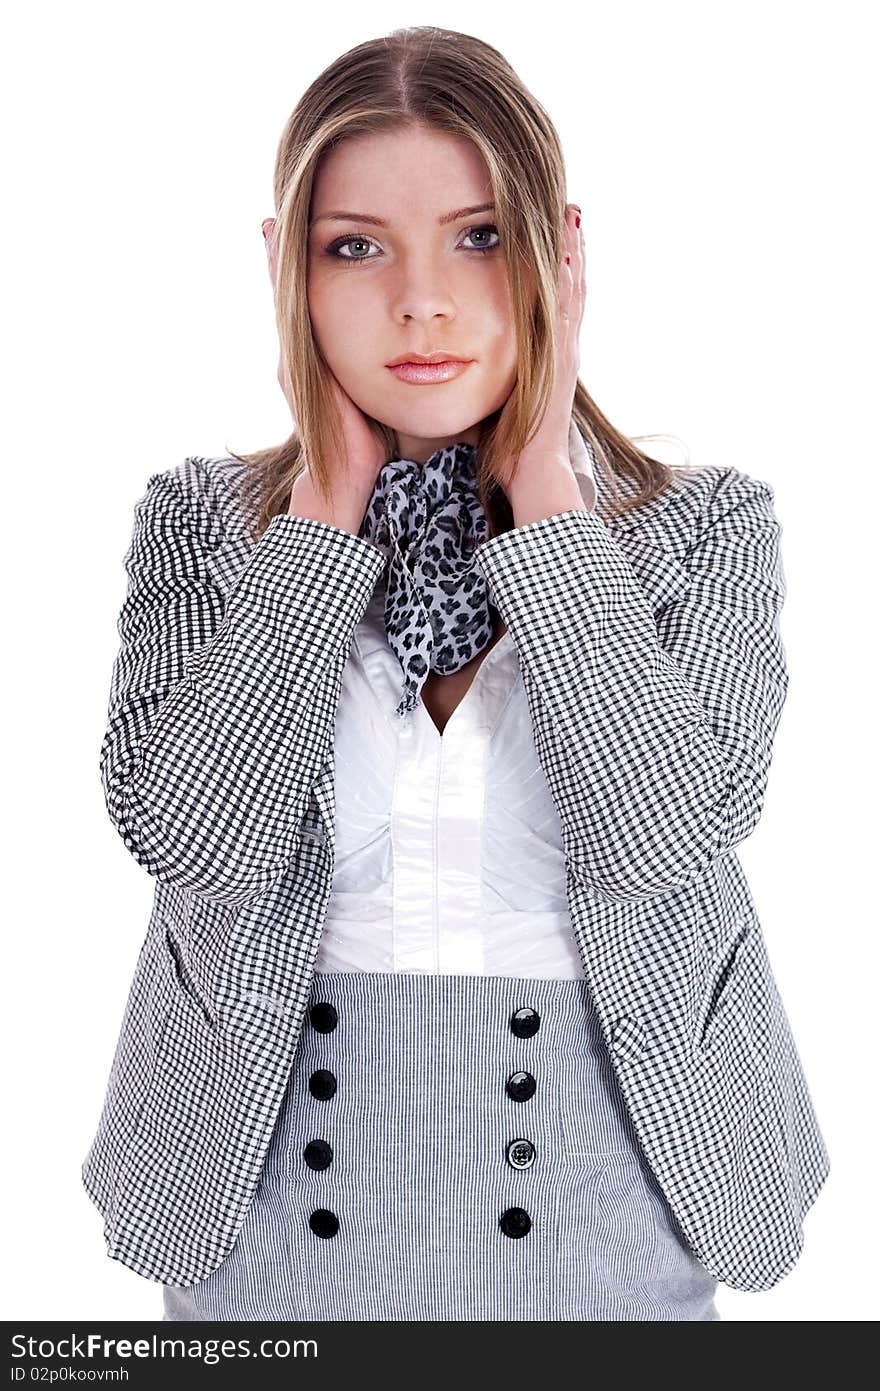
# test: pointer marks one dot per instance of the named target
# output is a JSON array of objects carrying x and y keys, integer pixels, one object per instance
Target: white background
[{"x": 721, "y": 154}]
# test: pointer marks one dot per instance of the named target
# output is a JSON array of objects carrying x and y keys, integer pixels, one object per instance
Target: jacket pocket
[
  {"x": 728, "y": 982},
  {"x": 185, "y": 976}
]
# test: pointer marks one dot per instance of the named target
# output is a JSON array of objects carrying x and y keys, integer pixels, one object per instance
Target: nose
[
  {"x": 427, "y": 301},
  {"x": 424, "y": 286}
]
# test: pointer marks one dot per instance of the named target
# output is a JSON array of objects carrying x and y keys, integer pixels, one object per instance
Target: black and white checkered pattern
[{"x": 650, "y": 650}]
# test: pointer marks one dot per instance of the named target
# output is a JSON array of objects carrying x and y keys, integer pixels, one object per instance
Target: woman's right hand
[
  {"x": 365, "y": 451},
  {"x": 353, "y": 477}
]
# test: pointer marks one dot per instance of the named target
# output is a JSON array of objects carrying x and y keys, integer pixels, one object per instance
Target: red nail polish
[
  {"x": 568, "y": 260},
  {"x": 577, "y": 222}
]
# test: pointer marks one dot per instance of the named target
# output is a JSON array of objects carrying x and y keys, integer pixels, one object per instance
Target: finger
[
  {"x": 582, "y": 254},
  {"x": 578, "y": 259},
  {"x": 573, "y": 240},
  {"x": 570, "y": 273},
  {"x": 577, "y": 243}
]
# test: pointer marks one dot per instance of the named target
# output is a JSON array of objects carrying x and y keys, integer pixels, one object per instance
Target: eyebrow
[{"x": 381, "y": 222}]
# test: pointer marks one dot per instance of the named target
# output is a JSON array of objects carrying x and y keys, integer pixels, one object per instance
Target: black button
[
  {"x": 525, "y": 1022},
  {"x": 521, "y": 1154},
  {"x": 521, "y": 1085},
  {"x": 317, "y": 1154},
  {"x": 323, "y": 1222},
  {"x": 515, "y": 1221},
  {"x": 322, "y": 1083},
  {"x": 324, "y": 1017}
]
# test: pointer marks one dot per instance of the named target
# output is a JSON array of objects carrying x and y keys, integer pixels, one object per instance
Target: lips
[
  {"x": 425, "y": 373},
  {"x": 433, "y": 358}
]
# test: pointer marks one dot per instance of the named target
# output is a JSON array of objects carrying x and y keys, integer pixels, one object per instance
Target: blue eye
[
  {"x": 334, "y": 248},
  {"x": 489, "y": 228}
]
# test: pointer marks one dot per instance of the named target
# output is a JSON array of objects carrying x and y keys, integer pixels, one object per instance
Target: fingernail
[{"x": 577, "y": 222}]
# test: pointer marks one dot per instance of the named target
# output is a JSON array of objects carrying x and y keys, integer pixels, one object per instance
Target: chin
[{"x": 434, "y": 422}]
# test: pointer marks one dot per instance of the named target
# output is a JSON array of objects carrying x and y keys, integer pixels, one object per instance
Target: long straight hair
[{"x": 459, "y": 85}]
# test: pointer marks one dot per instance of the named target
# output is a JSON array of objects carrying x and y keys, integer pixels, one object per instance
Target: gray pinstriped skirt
[{"x": 453, "y": 1147}]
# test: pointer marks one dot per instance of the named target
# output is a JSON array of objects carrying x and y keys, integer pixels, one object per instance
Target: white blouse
[{"x": 448, "y": 848}]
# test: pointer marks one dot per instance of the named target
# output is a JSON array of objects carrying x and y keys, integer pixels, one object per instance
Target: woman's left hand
[{"x": 550, "y": 446}]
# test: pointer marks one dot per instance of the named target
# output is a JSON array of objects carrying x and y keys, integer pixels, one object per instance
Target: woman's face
[{"x": 419, "y": 283}]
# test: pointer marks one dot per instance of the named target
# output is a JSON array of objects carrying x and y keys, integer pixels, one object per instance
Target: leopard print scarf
[{"x": 428, "y": 520}]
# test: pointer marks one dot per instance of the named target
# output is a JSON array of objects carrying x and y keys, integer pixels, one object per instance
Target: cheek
[
  {"x": 344, "y": 317},
  {"x": 332, "y": 329},
  {"x": 496, "y": 309},
  {"x": 498, "y": 344},
  {"x": 322, "y": 309},
  {"x": 496, "y": 337}
]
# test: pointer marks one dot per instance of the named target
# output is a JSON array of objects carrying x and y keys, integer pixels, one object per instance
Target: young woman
[{"x": 438, "y": 727}]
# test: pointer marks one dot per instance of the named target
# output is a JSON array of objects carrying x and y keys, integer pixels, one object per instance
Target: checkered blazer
[{"x": 651, "y": 655}]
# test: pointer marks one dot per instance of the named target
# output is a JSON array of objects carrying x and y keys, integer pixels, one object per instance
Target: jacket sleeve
[
  {"x": 223, "y": 701},
  {"x": 656, "y": 735}
]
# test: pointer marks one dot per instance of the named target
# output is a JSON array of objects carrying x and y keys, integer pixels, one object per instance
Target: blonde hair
[{"x": 459, "y": 85}]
